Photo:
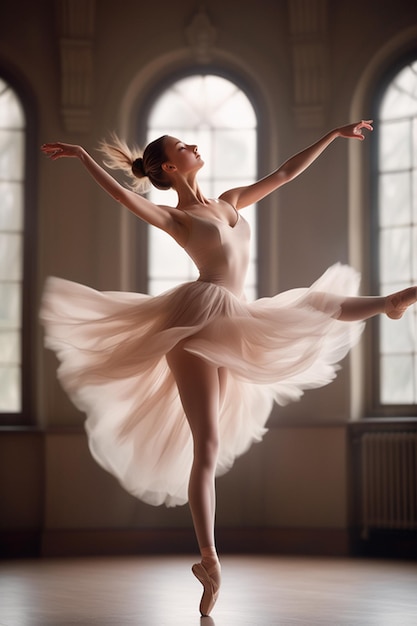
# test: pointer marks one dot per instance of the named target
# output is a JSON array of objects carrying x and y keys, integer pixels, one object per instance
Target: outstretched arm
[
  {"x": 293, "y": 167},
  {"x": 162, "y": 217}
]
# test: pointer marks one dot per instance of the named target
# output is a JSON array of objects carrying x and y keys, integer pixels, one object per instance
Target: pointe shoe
[
  {"x": 211, "y": 587},
  {"x": 398, "y": 303}
]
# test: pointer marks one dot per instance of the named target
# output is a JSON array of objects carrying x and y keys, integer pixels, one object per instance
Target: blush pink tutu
[{"x": 112, "y": 346}]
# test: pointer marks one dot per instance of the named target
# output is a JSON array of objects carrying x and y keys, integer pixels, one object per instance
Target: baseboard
[
  {"x": 386, "y": 543},
  {"x": 296, "y": 541},
  {"x": 20, "y": 544},
  {"x": 99, "y": 542}
]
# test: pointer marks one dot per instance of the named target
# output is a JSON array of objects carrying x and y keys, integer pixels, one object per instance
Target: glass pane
[
  {"x": 397, "y": 374},
  {"x": 414, "y": 196},
  {"x": 396, "y": 143},
  {"x": 172, "y": 106},
  {"x": 414, "y": 140},
  {"x": 9, "y": 348},
  {"x": 414, "y": 256},
  {"x": 159, "y": 196},
  {"x": 195, "y": 100},
  {"x": 10, "y": 257},
  {"x": 10, "y": 305},
  {"x": 11, "y": 155},
  {"x": 399, "y": 337},
  {"x": 11, "y": 206},
  {"x": 207, "y": 96},
  {"x": 236, "y": 112},
  {"x": 233, "y": 152},
  {"x": 395, "y": 199},
  {"x": 395, "y": 255},
  {"x": 10, "y": 383},
  {"x": 400, "y": 99},
  {"x": 162, "y": 252},
  {"x": 195, "y": 91},
  {"x": 11, "y": 113},
  {"x": 215, "y": 90}
]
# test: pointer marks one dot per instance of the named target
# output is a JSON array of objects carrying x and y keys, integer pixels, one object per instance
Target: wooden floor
[{"x": 256, "y": 591}]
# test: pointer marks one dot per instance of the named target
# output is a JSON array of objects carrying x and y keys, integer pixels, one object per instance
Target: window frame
[
  {"x": 375, "y": 407},
  {"x": 26, "y": 416}
]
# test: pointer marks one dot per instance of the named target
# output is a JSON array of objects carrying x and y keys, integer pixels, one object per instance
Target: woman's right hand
[
  {"x": 355, "y": 130},
  {"x": 57, "y": 150}
]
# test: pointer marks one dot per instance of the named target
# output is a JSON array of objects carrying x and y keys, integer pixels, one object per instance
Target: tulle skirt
[{"x": 112, "y": 346}]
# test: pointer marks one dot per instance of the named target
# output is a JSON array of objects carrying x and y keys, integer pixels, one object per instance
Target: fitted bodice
[{"x": 220, "y": 251}]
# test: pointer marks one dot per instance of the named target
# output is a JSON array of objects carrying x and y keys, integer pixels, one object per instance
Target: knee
[{"x": 206, "y": 450}]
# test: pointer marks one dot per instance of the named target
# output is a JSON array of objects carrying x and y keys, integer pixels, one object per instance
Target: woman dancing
[{"x": 176, "y": 386}]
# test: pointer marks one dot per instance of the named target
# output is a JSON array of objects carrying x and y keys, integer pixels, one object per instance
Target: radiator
[{"x": 389, "y": 481}]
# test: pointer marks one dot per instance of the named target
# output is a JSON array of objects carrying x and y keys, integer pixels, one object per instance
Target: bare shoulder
[
  {"x": 233, "y": 197},
  {"x": 229, "y": 197}
]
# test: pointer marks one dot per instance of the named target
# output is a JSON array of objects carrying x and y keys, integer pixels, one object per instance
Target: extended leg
[
  {"x": 394, "y": 305},
  {"x": 361, "y": 308},
  {"x": 357, "y": 308}
]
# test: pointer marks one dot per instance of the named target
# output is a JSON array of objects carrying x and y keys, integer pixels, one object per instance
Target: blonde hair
[{"x": 140, "y": 168}]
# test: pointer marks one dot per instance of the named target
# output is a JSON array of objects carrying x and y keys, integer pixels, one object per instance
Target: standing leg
[{"x": 198, "y": 386}]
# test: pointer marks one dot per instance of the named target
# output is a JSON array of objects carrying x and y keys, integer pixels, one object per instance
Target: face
[{"x": 182, "y": 156}]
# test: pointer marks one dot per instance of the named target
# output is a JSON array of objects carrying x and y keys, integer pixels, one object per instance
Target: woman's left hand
[
  {"x": 58, "y": 150},
  {"x": 355, "y": 130}
]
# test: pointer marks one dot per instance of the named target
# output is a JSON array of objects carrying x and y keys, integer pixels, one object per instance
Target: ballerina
[{"x": 176, "y": 386}]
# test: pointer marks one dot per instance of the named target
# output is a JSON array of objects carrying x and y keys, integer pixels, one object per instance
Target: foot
[
  {"x": 397, "y": 303},
  {"x": 210, "y": 579}
]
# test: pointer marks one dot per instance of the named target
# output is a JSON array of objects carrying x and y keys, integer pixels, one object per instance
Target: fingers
[
  {"x": 357, "y": 130},
  {"x": 52, "y": 150},
  {"x": 50, "y": 147},
  {"x": 366, "y": 124}
]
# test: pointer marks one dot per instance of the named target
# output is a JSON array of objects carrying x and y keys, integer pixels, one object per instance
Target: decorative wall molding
[
  {"x": 201, "y": 36},
  {"x": 308, "y": 31},
  {"x": 76, "y": 20}
]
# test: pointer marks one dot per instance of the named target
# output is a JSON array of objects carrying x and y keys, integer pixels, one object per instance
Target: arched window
[
  {"x": 17, "y": 246},
  {"x": 215, "y": 114},
  {"x": 12, "y": 129},
  {"x": 395, "y": 235}
]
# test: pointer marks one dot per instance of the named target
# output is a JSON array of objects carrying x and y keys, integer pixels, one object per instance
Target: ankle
[{"x": 209, "y": 557}]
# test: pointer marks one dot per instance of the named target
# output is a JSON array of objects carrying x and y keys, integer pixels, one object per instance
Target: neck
[{"x": 189, "y": 193}]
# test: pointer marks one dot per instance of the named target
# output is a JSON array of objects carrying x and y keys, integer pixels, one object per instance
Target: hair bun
[{"x": 138, "y": 168}]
